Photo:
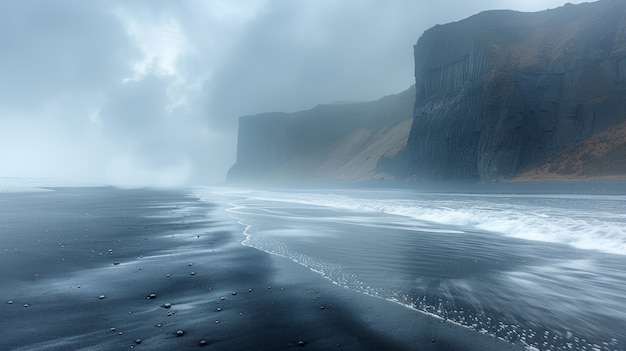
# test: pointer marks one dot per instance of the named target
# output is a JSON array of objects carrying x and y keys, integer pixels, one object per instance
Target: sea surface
[{"x": 541, "y": 265}]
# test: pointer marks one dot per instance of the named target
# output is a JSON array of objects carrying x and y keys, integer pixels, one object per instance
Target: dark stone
[{"x": 502, "y": 90}]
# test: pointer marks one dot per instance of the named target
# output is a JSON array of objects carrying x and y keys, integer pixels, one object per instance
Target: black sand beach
[{"x": 79, "y": 265}]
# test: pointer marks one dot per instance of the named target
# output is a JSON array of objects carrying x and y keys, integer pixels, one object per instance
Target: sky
[{"x": 148, "y": 92}]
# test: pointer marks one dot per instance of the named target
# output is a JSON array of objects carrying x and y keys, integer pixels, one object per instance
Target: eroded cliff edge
[{"x": 502, "y": 90}]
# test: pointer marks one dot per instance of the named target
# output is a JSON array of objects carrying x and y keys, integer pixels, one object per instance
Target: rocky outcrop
[
  {"x": 334, "y": 142},
  {"x": 501, "y": 90}
]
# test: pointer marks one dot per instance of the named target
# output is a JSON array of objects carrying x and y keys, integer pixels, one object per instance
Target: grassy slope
[{"x": 603, "y": 156}]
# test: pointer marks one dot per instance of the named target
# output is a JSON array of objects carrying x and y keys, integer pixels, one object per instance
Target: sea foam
[{"x": 586, "y": 222}]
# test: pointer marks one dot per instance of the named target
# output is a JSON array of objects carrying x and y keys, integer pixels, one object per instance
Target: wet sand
[{"x": 79, "y": 267}]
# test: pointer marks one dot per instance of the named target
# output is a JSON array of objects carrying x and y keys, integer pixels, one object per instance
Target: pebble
[
  {"x": 25, "y": 305},
  {"x": 192, "y": 273},
  {"x": 167, "y": 305},
  {"x": 249, "y": 290},
  {"x": 234, "y": 293},
  {"x": 180, "y": 333},
  {"x": 190, "y": 264},
  {"x": 203, "y": 343},
  {"x": 10, "y": 302},
  {"x": 301, "y": 343},
  {"x": 321, "y": 307},
  {"x": 101, "y": 297},
  {"x": 112, "y": 329},
  {"x": 218, "y": 309},
  {"x": 167, "y": 275},
  {"x": 151, "y": 296},
  {"x": 159, "y": 325},
  {"x": 116, "y": 263},
  {"x": 138, "y": 341}
]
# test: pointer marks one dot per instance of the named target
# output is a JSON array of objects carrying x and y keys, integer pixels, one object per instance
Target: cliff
[
  {"x": 496, "y": 94},
  {"x": 502, "y": 90},
  {"x": 334, "y": 142}
]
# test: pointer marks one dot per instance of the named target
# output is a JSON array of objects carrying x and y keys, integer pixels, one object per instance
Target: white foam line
[
  {"x": 246, "y": 242},
  {"x": 565, "y": 227}
]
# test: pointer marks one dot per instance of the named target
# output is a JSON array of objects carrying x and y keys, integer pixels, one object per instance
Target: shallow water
[{"x": 544, "y": 270}]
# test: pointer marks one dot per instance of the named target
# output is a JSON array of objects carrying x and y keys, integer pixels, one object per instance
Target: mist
[{"x": 147, "y": 93}]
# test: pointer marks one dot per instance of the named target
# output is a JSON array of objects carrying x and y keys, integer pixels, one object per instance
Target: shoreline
[{"x": 85, "y": 262}]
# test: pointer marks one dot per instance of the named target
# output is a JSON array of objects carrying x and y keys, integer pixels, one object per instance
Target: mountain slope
[
  {"x": 335, "y": 142},
  {"x": 601, "y": 156}
]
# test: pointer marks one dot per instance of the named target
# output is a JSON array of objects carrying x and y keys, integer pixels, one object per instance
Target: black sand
[{"x": 62, "y": 289}]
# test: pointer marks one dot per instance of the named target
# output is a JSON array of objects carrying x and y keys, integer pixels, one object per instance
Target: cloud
[
  {"x": 52, "y": 49},
  {"x": 148, "y": 92}
]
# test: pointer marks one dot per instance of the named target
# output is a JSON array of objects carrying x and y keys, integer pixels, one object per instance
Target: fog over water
[{"x": 148, "y": 92}]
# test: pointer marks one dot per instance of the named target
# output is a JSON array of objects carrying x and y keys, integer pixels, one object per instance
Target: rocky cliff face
[
  {"x": 501, "y": 90},
  {"x": 333, "y": 142},
  {"x": 495, "y": 94}
]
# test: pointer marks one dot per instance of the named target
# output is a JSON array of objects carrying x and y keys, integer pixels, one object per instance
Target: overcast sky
[{"x": 147, "y": 92}]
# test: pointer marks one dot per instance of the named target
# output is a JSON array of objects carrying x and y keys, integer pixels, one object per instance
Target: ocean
[{"x": 541, "y": 265}]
